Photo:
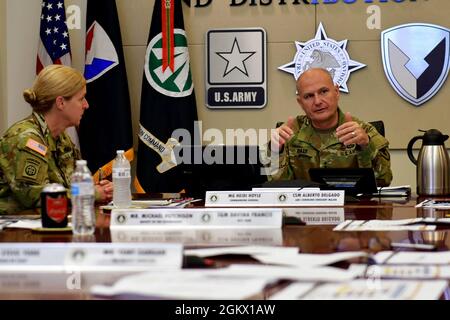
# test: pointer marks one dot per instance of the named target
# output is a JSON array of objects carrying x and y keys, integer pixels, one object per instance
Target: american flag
[{"x": 54, "y": 44}]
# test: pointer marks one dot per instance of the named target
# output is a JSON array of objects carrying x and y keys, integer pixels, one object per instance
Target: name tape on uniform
[
  {"x": 89, "y": 256},
  {"x": 274, "y": 198},
  {"x": 197, "y": 218}
]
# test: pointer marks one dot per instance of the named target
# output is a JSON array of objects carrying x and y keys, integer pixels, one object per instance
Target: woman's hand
[{"x": 104, "y": 190}]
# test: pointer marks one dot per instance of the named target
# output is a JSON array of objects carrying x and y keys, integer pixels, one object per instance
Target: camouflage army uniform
[
  {"x": 308, "y": 148},
  {"x": 29, "y": 159}
]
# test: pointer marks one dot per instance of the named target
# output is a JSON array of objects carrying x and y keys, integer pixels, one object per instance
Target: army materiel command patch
[{"x": 36, "y": 146}]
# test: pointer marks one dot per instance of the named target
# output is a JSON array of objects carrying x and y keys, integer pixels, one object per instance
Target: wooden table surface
[{"x": 308, "y": 238}]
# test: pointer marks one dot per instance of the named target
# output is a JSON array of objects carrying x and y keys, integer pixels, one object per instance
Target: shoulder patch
[
  {"x": 36, "y": 146},
  {"x": 31, "y": 169}
]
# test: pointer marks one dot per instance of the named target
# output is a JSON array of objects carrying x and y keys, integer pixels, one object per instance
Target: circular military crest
[
  {"x": 121, "y": 218},
  {"x": 213, "y": 198},
  {"x": 173, "y": 83},
  {"x": 206, "y": 217},
  {"x": 282, "y": 197},
  {"x": 325, "y": 54},
  {"x": 78, "y": 255}
]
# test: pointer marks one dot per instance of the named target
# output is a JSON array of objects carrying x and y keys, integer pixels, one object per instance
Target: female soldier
[{"x": 37, "y": 151}]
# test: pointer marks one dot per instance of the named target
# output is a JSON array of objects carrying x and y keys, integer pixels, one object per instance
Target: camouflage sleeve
[
  {"x": 276, "y": 163},
  {"x": 376, "y": 155},
  {"x": 26, "y": 172}
]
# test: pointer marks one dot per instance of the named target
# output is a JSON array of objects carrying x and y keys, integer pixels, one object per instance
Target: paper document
[
  {"x": 185, "y": 284},
  {"x": 248, "y": 250},
  {"x": 308, "y": 259},
  {"x": 424, "y": 272},
  {"x": 313, "y": 274},
  {"x": 435, "y": 204},
  {"x": 26, "y": 224},
  {"x": 144, "y": 204},
  {"x": 384, "y": 225},
  {"x": 366, "y": 289},
  {"x": 413, "y": 257},
  {"x": 400, "y": 191}
]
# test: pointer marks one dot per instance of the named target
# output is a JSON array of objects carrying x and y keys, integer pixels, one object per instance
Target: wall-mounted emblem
[
  {"x": 416, "y": 60},
  {"x": 236, "y": 73},
  {"x": 326, "y": 53}
]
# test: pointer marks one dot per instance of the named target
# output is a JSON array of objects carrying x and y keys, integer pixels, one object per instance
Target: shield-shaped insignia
[{"x": 416, "y": 59}]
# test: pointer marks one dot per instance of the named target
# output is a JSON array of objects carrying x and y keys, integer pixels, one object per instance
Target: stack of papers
[
  {"x": 416, "y": 224},
  {"x": 144, "y": 204},
  {"x": 435, "y": 204},
  {"x": 397, "y": 191},
  {"x": 365, "y": 290}
]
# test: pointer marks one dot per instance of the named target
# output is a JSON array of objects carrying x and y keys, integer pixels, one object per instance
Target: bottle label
[
  {"x": 85, "y": 189},
  {"x": 75, "y": 189},
  {"x": 56, "y": 208},
  {"x": 121, "y": 173}
]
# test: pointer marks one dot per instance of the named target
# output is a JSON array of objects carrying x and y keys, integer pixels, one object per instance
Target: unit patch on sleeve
[{"x": 30, "y": 170}]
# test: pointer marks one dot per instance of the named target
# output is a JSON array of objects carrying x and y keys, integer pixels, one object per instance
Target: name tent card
[
  {"x": 197, "y": 218},
  {"x": 89, "y": 256},
  {"x": 317, "y": 216},
  {"x": 314, "y": 197},
  {"x": 191, "y": 236}
]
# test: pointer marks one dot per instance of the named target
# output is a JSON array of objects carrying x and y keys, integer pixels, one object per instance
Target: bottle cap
[
  {"x": 120, "y": 151},
  {"x": 81, "y": 162}
]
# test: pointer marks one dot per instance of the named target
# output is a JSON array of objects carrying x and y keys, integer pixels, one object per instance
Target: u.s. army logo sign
[
  {"x": 176, "y": 83},
  {"x": 236, "y": 73},
  {"x": 326, "y": 53},
  {"x": 416, "y": 60}
]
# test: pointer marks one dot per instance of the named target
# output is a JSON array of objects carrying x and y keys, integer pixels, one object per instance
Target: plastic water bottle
[
  {"x": 121, "y": 181},
  {"x": 83, "y": 199}
]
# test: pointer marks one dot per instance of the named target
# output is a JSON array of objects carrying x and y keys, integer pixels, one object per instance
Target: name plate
[
  {"x": 274, "y": 198},
  {"x": 190, "y": 236},
  {"x": 89, "y": 256},
  {"x": 317, "y": 216},
  {"x": 197, "y": 218}
]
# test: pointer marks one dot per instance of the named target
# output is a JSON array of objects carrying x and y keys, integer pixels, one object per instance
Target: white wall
[
  {"x": 3, "y": 122},
  {"x": 22, "y": 26}
]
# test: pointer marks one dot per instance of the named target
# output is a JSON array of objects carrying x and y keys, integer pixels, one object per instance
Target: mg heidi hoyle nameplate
[
  {"x": 89, "y": 256},
  {"x": 274, "y": 198},
  {"x": 197, "y": 218}
]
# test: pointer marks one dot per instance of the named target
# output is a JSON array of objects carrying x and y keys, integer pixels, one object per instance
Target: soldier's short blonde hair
[{"x": 53, "y": 81}]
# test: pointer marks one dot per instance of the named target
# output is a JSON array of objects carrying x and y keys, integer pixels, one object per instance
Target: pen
[
  {"x": 100, "y": 174},
  {"x": 422, "y": 246}
]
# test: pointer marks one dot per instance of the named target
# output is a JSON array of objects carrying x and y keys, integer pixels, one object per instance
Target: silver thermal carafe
[{"x": 432, "y": 164}]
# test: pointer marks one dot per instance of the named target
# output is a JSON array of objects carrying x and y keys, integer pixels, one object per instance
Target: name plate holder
[
  {"x": 89, "y": 256},
  {"x": 282, "y": 198},
  {"x": 197, "y": 218}
]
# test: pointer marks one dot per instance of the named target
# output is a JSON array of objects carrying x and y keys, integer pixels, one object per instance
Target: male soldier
[{"x": 326, "y": 137}]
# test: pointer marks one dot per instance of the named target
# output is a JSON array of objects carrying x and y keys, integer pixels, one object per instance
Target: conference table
[{"x": 310, "y": 235}]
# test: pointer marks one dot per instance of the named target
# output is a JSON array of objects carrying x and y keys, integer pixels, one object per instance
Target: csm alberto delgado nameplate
[{"x": 274, "y": 198}]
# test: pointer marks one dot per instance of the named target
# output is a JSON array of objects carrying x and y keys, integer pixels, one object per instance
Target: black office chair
[{"x": 379, "y": 125}]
